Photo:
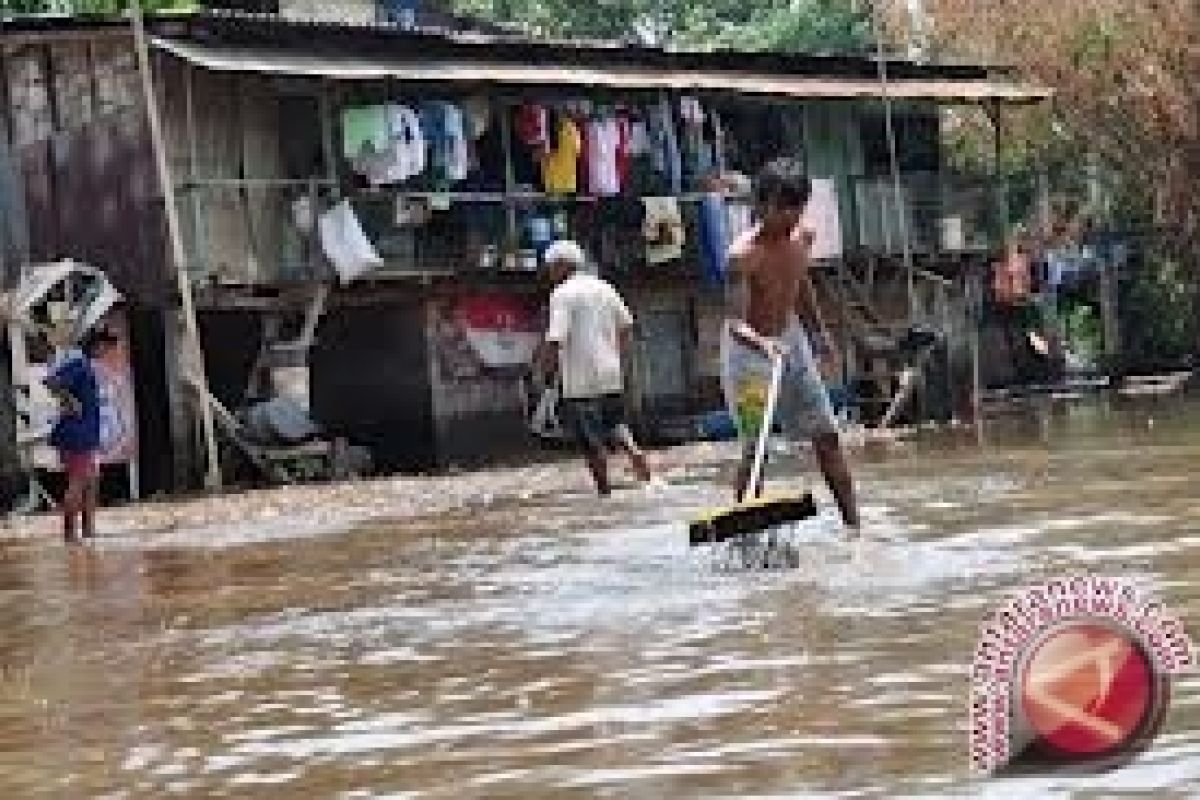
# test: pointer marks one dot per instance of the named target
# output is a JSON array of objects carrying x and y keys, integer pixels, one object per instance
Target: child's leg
[
  {"x": 72, "y": 503},
  {"x": 87, "y": 511}
]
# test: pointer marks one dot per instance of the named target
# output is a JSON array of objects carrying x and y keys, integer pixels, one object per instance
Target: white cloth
[
  {"x": 586, "y": 318},
  {"x": 406, "y": 145},
  {"x": 603, "y": 142},
  {"x": 345, "y": 244},
  {"x": 639, "y": 138}
]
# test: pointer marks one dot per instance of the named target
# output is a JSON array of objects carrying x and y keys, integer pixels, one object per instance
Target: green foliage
[
  {"x": 804, "y": 26},
  {"x": 1158, "y": 326}
]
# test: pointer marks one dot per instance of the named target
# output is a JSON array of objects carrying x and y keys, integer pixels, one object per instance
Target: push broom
[{"x": 756, "y": 513}]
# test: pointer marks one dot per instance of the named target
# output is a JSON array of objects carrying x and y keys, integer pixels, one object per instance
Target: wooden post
[
  {"x": 974, "y": 321},
  {"x": 195, "y": 352},
  {"x": 199, "y": 236},
  {"x": 510, "y": 185}
]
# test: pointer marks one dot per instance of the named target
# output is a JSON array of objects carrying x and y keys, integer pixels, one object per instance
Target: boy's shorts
[
  {"x": 803, "y": 411},
  {"x": 80, "y": 464}
]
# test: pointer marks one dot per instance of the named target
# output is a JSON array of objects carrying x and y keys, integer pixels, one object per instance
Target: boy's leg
[
  {"x": 832, "y": 460},
  {"x": 806, "y": 408}
]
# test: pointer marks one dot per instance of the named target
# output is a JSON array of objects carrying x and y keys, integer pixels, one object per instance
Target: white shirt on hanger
[{"x": 603, "y": 141}]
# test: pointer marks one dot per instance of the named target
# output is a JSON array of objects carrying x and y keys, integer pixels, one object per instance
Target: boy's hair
[{"x": 784, "y": 183}]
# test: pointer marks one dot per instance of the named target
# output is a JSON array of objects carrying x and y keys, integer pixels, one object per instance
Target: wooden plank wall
[
  {"x": 232, "y": 233},
  {"x": 81, "y": 147}
]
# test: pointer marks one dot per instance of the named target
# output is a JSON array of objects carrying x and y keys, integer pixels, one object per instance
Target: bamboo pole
[
  {"x": 889, "y": 123},
  {"x": 192, "y": 344}
]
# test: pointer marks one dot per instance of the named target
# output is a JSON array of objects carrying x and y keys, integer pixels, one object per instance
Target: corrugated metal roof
[{"x": 619, "y": 77}]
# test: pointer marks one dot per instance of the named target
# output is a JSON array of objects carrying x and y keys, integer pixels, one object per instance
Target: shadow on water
[{"x": 561, "y": 647}]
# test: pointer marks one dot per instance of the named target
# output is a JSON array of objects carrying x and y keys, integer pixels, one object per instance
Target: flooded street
[{"x": 545, "y": 644}]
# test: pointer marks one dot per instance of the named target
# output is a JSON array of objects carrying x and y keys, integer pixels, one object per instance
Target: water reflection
[{"x": 555, "y": 647}]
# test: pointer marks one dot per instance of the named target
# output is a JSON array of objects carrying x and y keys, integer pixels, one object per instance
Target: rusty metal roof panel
[{"x": 617, "y": 77}]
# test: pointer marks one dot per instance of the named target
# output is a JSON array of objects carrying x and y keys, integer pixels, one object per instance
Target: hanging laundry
[
  {"x": 714, "y": 239},
  {"x": 533, "y": 127},
  {"x": 639, "y": 138},
  {"x": 739, "y": 218},
  {"x": 663, "y": 229},
  {"x": 364, "y": 131},
  {"x": 698, "y": 162},
  {"x": 718, "y": 143},
  {"x": 449, "y": 158},
  {"x": 406, "y": 147},
  {"x": 666, "y": 146},
  {"x": 345, "y": 244},
  {"x": 624, "y": 151},
  {"x": 603, "y": 144},
  {"x": 478, "y": 113},
  {"x": 582, "y": 169},
  {"x": 559, "y": 168}
]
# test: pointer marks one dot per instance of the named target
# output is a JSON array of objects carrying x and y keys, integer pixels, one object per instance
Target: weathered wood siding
[{"x": 81, "y": 150}]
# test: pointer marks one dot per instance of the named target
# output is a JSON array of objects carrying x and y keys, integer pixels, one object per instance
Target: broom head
[{"x": 750, "y": 517}]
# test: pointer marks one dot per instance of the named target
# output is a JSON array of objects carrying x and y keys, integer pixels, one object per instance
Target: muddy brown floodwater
[{"x": 543, "y": 644}]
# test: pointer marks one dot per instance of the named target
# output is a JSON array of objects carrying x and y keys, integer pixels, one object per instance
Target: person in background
[
  {"x": 590, "y": 331},
  {"x": 76, "y": 432}
]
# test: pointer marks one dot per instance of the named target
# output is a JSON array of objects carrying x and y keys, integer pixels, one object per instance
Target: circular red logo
[{"x": 1089, "y": 690}]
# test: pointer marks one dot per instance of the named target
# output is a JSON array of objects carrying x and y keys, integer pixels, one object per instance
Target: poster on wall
[{"x": 485, "y": 336}]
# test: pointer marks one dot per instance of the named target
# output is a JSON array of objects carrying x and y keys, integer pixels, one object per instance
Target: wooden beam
[{"x": 179, "y": 254}]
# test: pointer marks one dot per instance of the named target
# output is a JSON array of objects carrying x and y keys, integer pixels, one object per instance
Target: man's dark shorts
[{"x": 596, "y": 422}]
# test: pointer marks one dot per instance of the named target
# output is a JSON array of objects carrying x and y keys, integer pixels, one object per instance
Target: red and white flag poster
[{"x": 502, "y": 330}]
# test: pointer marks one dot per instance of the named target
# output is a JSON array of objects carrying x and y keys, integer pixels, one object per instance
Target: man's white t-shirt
[{"x": 586, "y": 318}]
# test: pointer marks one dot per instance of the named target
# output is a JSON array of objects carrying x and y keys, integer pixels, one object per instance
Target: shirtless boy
[{"x": 772, "y": 310}]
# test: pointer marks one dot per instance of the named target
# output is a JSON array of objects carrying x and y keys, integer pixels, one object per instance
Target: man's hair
[{"x": 784, "y": 183}]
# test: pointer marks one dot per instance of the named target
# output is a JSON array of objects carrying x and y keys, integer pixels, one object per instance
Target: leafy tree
[
  {"x": 1124, "y": 76},
  {"x": 789, "y": 25}
]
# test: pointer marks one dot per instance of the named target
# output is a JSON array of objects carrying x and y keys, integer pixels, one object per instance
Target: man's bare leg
[
  {"x": 637, "y": 457},
  {"x": 597, "y": 463},
  {"x": 832, "y": 460}
]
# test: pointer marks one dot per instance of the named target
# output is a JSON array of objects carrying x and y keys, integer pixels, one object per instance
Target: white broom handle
[{"x": 764, "y": 430}]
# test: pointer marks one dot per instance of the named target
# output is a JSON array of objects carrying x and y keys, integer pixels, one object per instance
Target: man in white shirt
[{"x": 590, "y": 329}]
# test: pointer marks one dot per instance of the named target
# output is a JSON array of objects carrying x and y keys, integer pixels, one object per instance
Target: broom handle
[{"x": 764, "y": 430}]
